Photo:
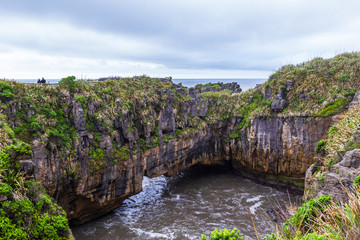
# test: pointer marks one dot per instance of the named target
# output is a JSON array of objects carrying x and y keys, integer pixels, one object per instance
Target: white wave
[
  {"x": 254, "y": 207},
  {"x": 151, "y": 234},
  {"x": 89, "y": 230},
  {"x": 253, "y": 199}
]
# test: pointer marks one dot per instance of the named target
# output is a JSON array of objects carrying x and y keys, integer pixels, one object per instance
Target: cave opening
[{"x": 190, "y": 203}]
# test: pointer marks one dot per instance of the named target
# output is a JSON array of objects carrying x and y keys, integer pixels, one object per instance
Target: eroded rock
[
  {"x": 341, "y": 176},
  {"x": 279, "y": 102},
  {"x": 87, "y": 189}
]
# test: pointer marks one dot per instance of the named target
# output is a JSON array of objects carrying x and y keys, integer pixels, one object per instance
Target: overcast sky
[{"x": 182, "y": 39}]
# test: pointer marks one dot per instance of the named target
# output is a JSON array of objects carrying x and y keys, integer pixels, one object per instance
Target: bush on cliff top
[{"x": 320, "y": 87}]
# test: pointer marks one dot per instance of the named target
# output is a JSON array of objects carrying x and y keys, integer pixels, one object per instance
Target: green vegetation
[
  {"x": 68, "y": 83},
  {"x": 334, "y": 107},
  {"x": 306, "y": 215},
  {"x": 33, "y": 216},
  {"x": 327, "y": 84},
  {"x": 225, "y": 234},
  {"x": 6, "y": 91},
  {"x": 357, "y": 181},
  {"x": 341, "y": 137},
  {"x": 323, "y": 218},
  {"x": 320, "y": 146},
  {"x": 26, "y": 211},
  {"x": 310, "y": 236},
  {"x": 207, "y": 86}
]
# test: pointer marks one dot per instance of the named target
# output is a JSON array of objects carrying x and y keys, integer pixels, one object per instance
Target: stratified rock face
[
  {"x": 87, "y": 189},
  {"x": 94, "y": 193},
  {"x": 278, "y": 146},
  {"x": 339, "y": 177}
]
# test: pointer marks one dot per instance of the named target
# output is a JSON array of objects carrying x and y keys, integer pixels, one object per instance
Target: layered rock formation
[
  {"x": 93, "y": 143},
  {"x": 277, "y": 146},
  {"x": 340, "y": 178}
]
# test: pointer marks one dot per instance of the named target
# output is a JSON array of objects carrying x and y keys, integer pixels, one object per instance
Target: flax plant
[{"x": 341, "y": 219}]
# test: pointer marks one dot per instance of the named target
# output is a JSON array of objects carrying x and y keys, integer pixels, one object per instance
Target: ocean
[{"x": 245, "y": 83}]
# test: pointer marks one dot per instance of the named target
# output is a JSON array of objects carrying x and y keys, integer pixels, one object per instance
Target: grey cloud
[{"x": 190, "y": 34}]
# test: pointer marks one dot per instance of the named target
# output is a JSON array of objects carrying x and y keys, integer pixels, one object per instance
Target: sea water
[{"x": 189, "y": 204}]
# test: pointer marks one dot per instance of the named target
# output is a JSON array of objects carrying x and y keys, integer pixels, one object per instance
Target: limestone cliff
[
  {"x": 92, "y": 143},
  {"x": 278, "y": 146},
  {"x": 87, "y": 186}
]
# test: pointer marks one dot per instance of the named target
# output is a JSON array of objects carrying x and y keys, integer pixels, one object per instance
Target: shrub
[
  {"x": 306, "y": 214},
  {"x": 82, "y": 100},
  {"x": 35, "y": 126},
  {"x": 333, "y": 108},
  {"x": 5, "y": 189},
  {"x": 332, "y": 130},
  {"x": 22, "y": 219},
  {"x": 68, "y": 83},
  {"x": 234, "y": 134},
  {"x": 357, "y": 181},
  {"x": 167, "y": 138},
  {"x": 340, "y": 136},
  {"x": 320, "y": 146},
  {"x": 6, "y": 91},
  {"x": 223, "y": 234},
  {"x": 98, "y": 154},
  {"x": 345, "y": 77}
]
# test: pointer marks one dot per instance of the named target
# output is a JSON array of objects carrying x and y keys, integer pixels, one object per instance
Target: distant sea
[{"x": 245, "y": 83}]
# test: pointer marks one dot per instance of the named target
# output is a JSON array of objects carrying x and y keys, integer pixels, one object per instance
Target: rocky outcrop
[
  {"x": 279, "y": 102},
  {"x": 267, "y": 93},
  {"x": 234, "y": 87},
  {"x": 92, "y": 194},
  {"x": 282, "y": 147},
  {"x": 356, "y": 99},
  {"x": 338, "y": 180},
  {"x": 278, "y": 146}
]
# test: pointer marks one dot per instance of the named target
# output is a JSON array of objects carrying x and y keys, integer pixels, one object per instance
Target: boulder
[
  {"x": 79, "y": 118},
  {"x": 356, "y": 99},
  {"x": 279, "y": 102},
  {"x": 341, "y": 176},
  {"x": 27, "y": 166},
  {"x": 268, "y": 93}
]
